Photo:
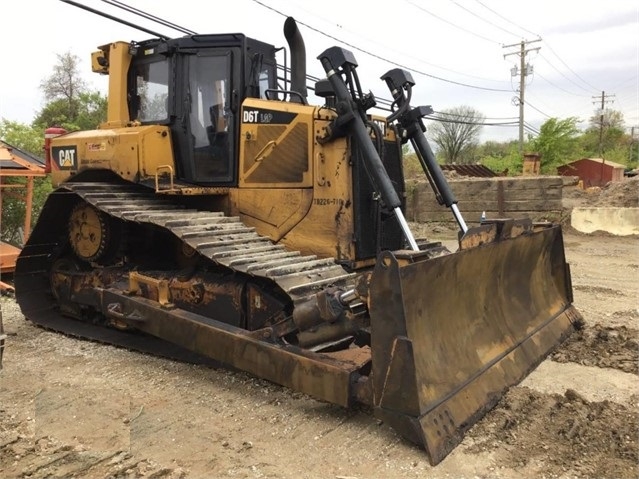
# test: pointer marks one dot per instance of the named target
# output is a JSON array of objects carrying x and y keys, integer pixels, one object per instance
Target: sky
[{"x": 454, "y": 48}]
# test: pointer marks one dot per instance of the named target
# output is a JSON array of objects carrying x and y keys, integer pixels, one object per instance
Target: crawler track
[{"x": 222, "y": 240}]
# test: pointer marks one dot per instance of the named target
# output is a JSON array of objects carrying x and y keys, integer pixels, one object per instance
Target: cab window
[{"x": 151, "y": 91}]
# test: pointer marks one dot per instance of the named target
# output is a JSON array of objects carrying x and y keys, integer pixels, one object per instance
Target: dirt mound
[
  {"x": 620, "y": 194},
  {"x": 604, "y": 347},
  {"x": 566, "y": 433}
]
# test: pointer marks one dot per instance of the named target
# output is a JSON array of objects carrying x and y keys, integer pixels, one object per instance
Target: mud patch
[
  {"x": 567, "y": 434},
  {"x": 602, "y": 346}
]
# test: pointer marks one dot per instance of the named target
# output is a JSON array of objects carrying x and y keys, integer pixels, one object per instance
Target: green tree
[
  {"x": 456, "y": 134},
  {"x": 501, "y": 157},
  {"x": 65, "y": 83},
  {"x": 26, "y": 137},
  {"x": 93, "y": 110},
  {"x": 605, "y": 133},
  {"x": 13, "y": 209},
  {"x": 70, "y": 104},
  {"x": 30, "y": 139},
  {"x": 89, "y": 113},
  {"x": 557, "y": 143}
]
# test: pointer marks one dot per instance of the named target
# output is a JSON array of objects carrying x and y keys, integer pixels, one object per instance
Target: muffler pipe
[{"x": 298, "y": 57}]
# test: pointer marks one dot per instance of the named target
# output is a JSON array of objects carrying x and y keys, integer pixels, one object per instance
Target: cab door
[{"x": 207, "y": 128}]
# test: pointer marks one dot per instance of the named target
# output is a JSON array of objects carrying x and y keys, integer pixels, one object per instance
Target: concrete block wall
[{"x": 536, "y": 197}]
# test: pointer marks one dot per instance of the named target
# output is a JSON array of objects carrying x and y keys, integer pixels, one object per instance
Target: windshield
[{"x": 152, "y": 91}]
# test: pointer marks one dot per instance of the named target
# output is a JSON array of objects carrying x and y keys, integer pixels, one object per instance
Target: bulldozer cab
[{"x": 195, "y": 85}]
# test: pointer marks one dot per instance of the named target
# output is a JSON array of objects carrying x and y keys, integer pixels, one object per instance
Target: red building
[{"x": 593, "y": 171}]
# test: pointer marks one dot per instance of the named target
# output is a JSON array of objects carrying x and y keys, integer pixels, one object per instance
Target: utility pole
[
  {"x": 524, "y": 70},
  {"x": 604, "y": 100}
]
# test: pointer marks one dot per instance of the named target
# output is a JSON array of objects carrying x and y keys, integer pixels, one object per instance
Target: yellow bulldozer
[{"x": 216, "y": 216}]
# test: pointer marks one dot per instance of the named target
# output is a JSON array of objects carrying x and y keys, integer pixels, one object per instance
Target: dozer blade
[{"x": 451, "y": 334}]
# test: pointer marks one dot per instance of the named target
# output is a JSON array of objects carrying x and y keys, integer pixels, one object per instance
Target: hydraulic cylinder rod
[
  {"x": 332, "y": 60},
  {"x": 399, "y": 82}
]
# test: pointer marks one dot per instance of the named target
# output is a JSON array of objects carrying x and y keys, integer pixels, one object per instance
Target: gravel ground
[{"x": 71, "y": 408}]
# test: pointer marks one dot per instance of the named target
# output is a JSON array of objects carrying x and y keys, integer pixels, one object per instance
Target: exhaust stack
[{"x": 298, "y": 57}]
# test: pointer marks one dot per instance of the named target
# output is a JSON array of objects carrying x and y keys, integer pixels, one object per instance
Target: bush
[{"x": 13, "y": 209}]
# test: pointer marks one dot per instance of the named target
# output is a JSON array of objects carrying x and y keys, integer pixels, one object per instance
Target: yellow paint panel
[{"x": 131, "y": 152}]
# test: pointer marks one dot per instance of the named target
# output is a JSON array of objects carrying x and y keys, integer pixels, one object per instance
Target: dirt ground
[{"x": 70, "y": 408}]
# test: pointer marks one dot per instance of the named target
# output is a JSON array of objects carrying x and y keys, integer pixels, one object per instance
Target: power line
[
  {"x": 452, "y": 24},
  {"x": 148, "y": 16},
  {"x": 379, "y": 57},
  {"x": 461, "y": 122},
  {"x": 537, "y": 74},
  {"x": 485, "y": 118},
  {"x": 420, "y": 60},
  {"x": 538, "y": 101},
  {"x": 531, "y": 128},
  {"x": 537, "y": 109},
  {"x": 623, "y": 83},
  {"x": 509, "y": 21},
  {"x": 484, "y": 20},
  {"x": 546, "y": 43},
  {"x": 564, "y": 75},
  {"x": 566, "y": 65},
  {"x": 633, "y": 107}
]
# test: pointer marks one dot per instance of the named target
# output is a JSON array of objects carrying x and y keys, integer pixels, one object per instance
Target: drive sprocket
[{"x": 91, "y": 233}]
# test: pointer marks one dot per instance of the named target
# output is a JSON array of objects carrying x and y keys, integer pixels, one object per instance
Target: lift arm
[
  {"x": 400, "y": 83},
  {"x": 339, "y": 64}
]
